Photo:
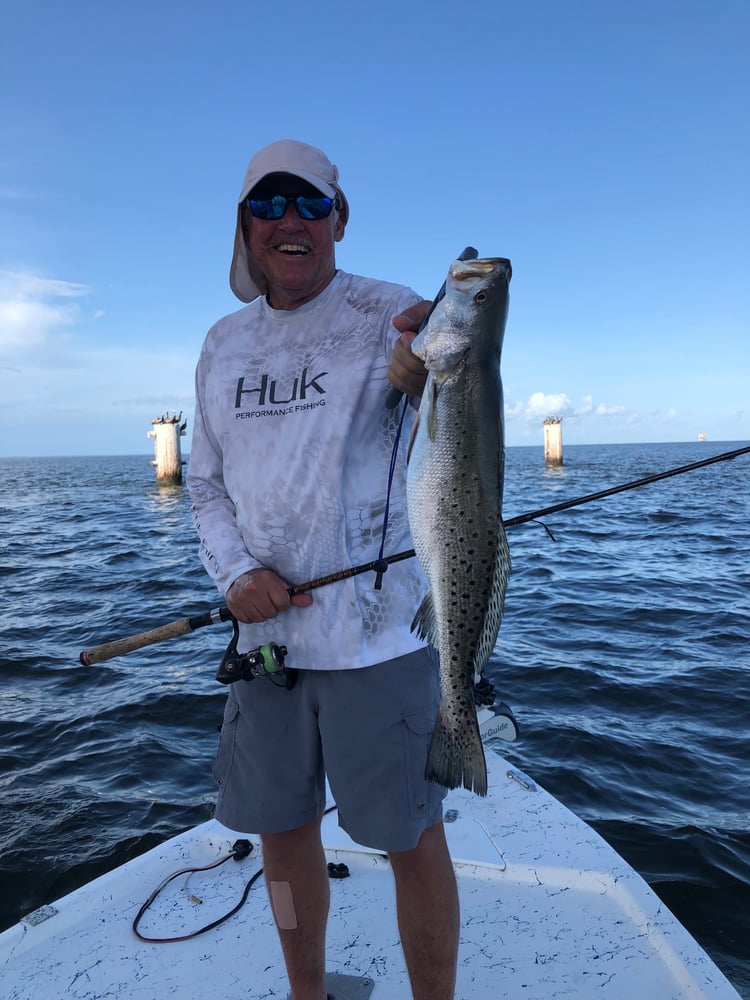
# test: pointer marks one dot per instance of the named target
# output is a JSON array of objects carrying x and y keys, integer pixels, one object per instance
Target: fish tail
[{"x": 456, "y": 756}]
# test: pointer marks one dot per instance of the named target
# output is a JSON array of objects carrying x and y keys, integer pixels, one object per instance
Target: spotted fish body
[{"x": 454, "y": 495}]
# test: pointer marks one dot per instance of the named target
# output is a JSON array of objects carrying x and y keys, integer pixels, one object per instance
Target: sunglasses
[{"x": 307, "y": 208}]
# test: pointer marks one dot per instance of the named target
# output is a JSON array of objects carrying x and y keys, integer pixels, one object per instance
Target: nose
[
  {"x": 291, "y": 209},
  {"x": 291, "y": 216}
]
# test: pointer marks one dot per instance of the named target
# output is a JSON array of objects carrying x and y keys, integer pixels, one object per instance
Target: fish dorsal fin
[{"x": 500, "y": 575}]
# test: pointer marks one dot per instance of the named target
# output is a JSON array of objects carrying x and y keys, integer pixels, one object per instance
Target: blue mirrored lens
[
  {"x": 275, "y": 207},
  {"x": 314, "y": 208}
]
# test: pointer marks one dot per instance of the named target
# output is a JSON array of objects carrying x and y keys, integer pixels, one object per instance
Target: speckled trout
[{"x": 454, "y": 495}]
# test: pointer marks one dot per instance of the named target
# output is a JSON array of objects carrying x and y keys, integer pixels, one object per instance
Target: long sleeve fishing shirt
[{"x": 289, "y": 468}]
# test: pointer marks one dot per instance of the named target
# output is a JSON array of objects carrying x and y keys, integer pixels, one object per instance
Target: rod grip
[{"x": 118, "y": 647}]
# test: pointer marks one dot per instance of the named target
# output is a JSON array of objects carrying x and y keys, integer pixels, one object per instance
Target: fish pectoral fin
[
  {"x": 432, "y": 418},
  {"x": 412, "y": 438},
  {"x": 425, "y": 623}
]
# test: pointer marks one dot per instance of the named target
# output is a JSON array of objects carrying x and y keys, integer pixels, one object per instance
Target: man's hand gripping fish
[{"x": 454, "y": 491}]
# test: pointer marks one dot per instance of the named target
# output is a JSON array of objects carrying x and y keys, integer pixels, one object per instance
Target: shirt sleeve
[{"x": 222, "y": 549}]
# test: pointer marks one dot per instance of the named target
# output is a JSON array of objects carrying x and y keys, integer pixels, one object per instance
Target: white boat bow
[{"x": 548, "y": 910}]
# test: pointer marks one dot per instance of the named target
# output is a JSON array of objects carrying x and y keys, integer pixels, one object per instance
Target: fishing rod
[
  {"x": 185, "y": 626},
  {"x": 610, "y": 491}
]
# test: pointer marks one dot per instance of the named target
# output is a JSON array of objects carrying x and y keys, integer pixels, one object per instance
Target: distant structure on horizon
[
  {"x": 703, "y": 436},
  {"x": 553, "y": 448},
  {"x": 166, "y": 432}
]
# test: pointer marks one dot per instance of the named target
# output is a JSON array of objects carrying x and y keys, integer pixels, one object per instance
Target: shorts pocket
[
  {"x": 417, "y": 730},
  {"x": 225, "y": 752}
]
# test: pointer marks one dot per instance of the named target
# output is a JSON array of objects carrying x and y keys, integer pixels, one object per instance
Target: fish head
[{"x": 470, "y": 319}]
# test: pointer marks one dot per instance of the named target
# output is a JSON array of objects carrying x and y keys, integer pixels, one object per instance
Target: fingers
[
  {"x": 405, "y": 370},
  {"x": 411, "y": 318},
  {"x": 261, "y": 594}
]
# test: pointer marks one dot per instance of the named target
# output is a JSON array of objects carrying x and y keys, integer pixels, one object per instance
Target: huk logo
[{"x": 271, "y": 392}]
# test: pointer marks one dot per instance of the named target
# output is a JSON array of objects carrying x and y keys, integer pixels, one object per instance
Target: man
[{"x": 289, "y": 469}]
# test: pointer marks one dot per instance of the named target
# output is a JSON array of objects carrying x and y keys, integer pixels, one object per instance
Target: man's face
[{"x": 293, "y": 258}]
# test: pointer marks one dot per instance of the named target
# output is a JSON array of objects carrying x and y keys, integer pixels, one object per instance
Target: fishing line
[
  {"x": 468, "y": 253},
  {"x": 383, "y": 565}
]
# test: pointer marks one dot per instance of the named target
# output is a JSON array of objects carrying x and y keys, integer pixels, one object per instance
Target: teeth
[{"x": 291, "y": 248}]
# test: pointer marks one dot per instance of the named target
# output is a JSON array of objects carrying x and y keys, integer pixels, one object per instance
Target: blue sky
[{"x": 602, "y": 146}]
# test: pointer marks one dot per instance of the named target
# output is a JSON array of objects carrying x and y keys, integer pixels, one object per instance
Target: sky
[{"x": 601, "y": 145}]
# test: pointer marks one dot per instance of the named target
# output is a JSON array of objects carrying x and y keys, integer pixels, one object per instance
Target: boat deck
[{"x": 549, "y": 910}]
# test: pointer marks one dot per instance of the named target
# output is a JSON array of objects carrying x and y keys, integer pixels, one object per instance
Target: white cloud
[
  {"x": 31, "y": 286},
  {"x": 590, "y": 420},
  {"x": 558, "y": 404},
  {"x": 542, "y": 405},
  {"x": 608, "y": 411},
  {"x": 63, "y": 389},
  {"x": 35, "y": 312}
]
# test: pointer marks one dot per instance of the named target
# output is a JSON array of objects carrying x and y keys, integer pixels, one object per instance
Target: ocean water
[{"x": 623, "y": 652}]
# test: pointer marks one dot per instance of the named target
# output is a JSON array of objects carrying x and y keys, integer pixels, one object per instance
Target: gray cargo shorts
[{"x": 368, "y": 729}]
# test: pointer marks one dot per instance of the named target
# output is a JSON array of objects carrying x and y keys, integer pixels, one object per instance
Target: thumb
[
  {"x": 302, "y": 600},
  {"x": 403, "y": 322}
]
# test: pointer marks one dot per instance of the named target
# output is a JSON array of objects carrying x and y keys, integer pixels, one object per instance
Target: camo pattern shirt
[{"x": 289, "y": 468}]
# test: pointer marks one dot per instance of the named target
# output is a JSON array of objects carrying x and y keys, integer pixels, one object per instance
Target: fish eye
[{"x": 480, "y": 296}]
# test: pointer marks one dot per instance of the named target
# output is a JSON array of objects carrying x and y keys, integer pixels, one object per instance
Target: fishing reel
[{"x": 263, "y": 661}]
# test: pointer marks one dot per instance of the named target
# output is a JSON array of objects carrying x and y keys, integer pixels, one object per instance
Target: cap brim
[{"x": 316, "y": 182}]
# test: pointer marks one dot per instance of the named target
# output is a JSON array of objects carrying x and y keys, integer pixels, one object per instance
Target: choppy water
[{"x": 623, "y": 652}]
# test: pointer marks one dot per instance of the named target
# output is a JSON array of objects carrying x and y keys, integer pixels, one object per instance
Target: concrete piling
[
  {"x": 553, "y": 448},
  {"x": 166, "y": 432}
]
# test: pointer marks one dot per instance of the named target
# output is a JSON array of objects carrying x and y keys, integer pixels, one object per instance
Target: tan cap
[{"x": 284, "y": 157}]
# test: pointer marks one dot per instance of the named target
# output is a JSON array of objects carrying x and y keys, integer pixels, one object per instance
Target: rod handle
[{"x": 117, "y": 647}]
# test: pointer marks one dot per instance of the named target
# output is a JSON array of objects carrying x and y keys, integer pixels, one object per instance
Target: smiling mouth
[{"x": 293, "y": 249}]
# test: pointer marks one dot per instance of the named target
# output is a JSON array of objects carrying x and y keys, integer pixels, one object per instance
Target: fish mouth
[{"x": 481, "y": 267}]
